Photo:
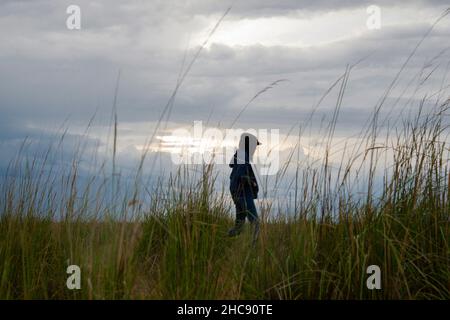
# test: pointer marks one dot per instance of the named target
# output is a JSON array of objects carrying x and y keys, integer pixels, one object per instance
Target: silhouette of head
[{"x": 248, "y": 143}]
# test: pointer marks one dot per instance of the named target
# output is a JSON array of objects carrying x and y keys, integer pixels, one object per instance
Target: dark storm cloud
[
  {"x": 268, "y": 8},
  {"x": 49, "y": 74}
]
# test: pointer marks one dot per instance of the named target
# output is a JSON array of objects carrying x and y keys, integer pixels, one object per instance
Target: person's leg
[
  {"x": 252, "y": 215},
  {"x": 241, "y": 213},
  {"x": 250, "y": 207}
]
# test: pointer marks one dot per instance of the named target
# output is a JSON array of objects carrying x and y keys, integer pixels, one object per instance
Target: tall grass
[{"x": 175, "y": 245}]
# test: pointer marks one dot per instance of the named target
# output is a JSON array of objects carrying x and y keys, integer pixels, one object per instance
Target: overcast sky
[{"x": 51, "y": 76}]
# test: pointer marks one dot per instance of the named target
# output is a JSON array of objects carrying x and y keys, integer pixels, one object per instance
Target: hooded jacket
[{"x": 242, "y": 178}]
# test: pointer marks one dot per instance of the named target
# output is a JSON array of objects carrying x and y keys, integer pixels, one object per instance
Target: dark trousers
[{"x": 245, "y": 207}]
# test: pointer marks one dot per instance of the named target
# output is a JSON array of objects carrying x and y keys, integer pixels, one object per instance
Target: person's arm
[
  {"x": 233, "y": 161},
  {"x": 249, "y": 178}
]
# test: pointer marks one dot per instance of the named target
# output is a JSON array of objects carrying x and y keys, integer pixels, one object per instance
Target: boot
[{"x": 236, "y": 230}]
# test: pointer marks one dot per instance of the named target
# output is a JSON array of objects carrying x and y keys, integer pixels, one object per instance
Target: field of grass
[
  {"x": 177, "y": 248},
  {"x": 175, "y": 245}
]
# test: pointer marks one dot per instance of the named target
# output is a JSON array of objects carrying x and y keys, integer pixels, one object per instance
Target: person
[{"x": 244, "y": 186}]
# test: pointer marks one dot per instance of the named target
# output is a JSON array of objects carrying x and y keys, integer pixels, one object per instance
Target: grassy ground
[
  {"x": 178, "y": 247},
  {"x": 188, "y": 255}
]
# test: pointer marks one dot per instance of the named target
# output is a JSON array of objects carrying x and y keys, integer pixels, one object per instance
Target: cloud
[{"x": 49, "y": 74}]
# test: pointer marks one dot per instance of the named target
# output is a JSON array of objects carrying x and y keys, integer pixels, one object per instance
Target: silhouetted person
[{"x": 243, "y": 185}]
